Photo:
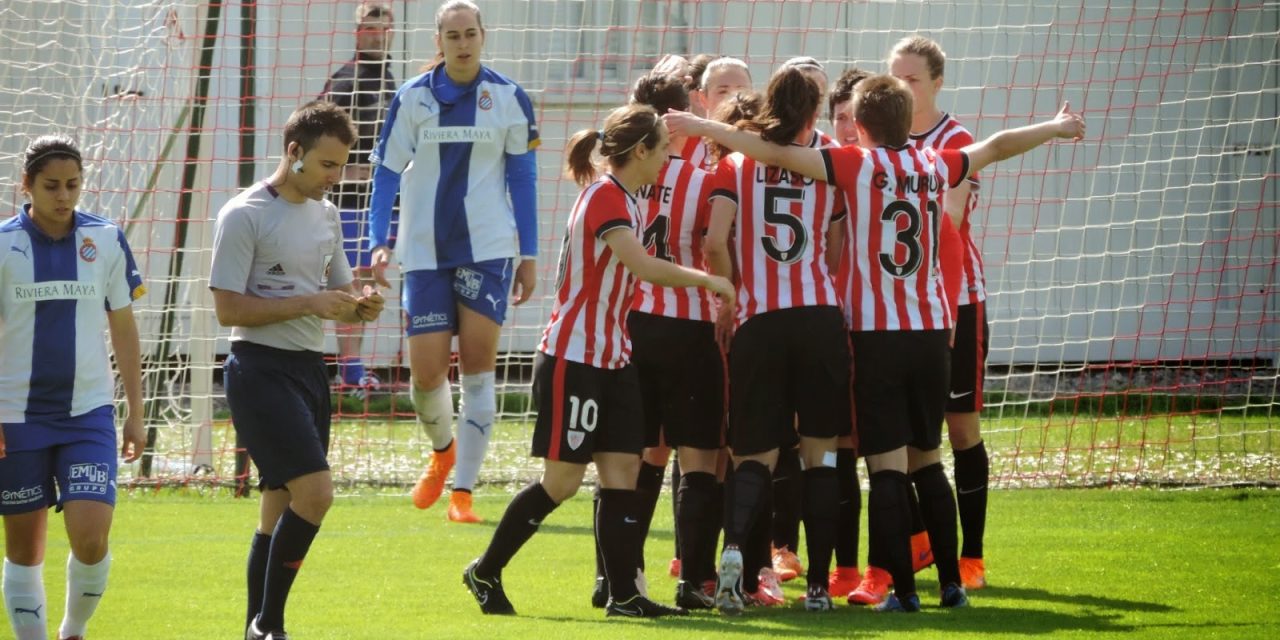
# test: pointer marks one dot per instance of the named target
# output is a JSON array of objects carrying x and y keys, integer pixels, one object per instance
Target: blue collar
[
  {"x": 31, "y": 228},
  {"x": 446, "y": 90}
]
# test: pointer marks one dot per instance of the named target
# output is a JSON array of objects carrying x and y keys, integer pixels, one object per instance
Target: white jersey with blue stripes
[
  {"x": 449, "y": 143},
  {"x": 54, "y": 299}
]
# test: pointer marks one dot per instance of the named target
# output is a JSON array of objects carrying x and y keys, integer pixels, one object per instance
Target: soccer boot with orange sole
[
  {"x": 973, "y": 573},
  {"x": 431, "y": 484},
  {"x": 460, "y": 507}
]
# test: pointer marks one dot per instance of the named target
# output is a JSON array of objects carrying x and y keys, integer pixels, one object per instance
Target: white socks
[
  {"x": 85, "y": 586},
  {"x": 24, "y": 600},
  {"x": 478, "y": 406},
  {"x": 435, "y": 413}
]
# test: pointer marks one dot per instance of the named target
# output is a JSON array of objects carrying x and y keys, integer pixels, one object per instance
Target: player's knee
[
  {"x": 429, "y": 381},
  {"x": 89, "y": 547},
  {"x": 313, "y": 504},
  {"x": 963, "y": 430}
]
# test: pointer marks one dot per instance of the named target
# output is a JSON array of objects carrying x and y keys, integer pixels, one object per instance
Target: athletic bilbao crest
[
  {"x": 486, "y": 101},
  {"x": 575, "y": 438},
  {"x": 88, "y": 250}
]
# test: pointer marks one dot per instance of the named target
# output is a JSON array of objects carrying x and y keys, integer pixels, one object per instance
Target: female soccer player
[
  {"x": 587, "y": 393},
  {"x": 920, "y": 62},
  {"x": 895, "y": 302},
  {"x": 68, "y": 276},
  {"x": 723, "y": 77},
  {"x": 463, "y": 135},
  {"x": 674, "y": 349},
  {"x": 788, "y": 358}
]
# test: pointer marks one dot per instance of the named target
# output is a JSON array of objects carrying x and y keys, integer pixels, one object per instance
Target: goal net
[{"x": 1132, "y": 277}]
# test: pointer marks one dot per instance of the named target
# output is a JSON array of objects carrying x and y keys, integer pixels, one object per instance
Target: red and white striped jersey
[
  {"x": 697, "y": 152},
  {"x": 675, "y": 228},
  {"x": 593, "y": 289},
  {"x": 950, "y": 134},
  {"x": 781, "y": 235},
  {"x": 895, "y": 201}
]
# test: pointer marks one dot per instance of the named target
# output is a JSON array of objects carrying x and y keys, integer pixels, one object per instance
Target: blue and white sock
[{"x": 475, "y": 427}]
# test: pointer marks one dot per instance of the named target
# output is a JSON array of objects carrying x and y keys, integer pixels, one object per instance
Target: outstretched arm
[
  {"x": 802, "y": 160},
  {"x": 1013, "y": 142}
]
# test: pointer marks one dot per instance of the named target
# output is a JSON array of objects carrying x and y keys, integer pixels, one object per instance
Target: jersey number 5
[
  {"x": 772, "y": 216},
  {"x": 908, "y": 237}
]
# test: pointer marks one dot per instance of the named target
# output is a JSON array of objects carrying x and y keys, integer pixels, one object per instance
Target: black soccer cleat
[
  {"x": 691, "y": 596},
  {"x": 252, "y": 633},
  {"x": 954, "y": 597},
  {"x": 638, "y": 606},
  {"x": 488, "y": 592},
  {"x": 600, "y": 595}
]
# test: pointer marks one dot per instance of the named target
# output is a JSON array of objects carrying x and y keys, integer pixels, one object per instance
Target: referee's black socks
[
  {"x": 519, "y": 522},
  {"x": 821, "y": 513},
  {"x": 289, "y": 545},
  {"x": 259, "y": 551},
  {"x": 972, "y": 470},
  {"x": 938, "y": 506},
  {"x": 788, "y": 492},
  {"x": 620, "y": 534},
  {"x": 888, "y": 525}
]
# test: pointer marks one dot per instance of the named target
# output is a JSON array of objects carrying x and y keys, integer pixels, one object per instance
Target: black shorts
[
  {"x": 899, "y": 388},
  {"x": 788, "y": 372},
  {"x": 279, "y": 402},
  {"x": 583, "y": 410},
  {"x": 969, "y": 359},
  {"x": 682, "y": 377}
]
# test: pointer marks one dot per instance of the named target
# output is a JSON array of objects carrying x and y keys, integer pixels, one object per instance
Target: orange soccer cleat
[
  {"x": 431, "y": 484},
  {"x": 973, "y": 573},
  {"x": 460, "y": 508},
  {"x": 921, "y": 552},
  {"x": 874, "y": 587},
  {"x": 843, "y": 581},
  {"x": 786, "y": 564}
]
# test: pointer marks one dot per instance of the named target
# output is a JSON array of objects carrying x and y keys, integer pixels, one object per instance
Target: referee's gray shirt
[{"x": 268, "y": 247}]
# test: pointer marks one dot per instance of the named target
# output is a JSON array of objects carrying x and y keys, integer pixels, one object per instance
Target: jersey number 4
[
  {"x": 908, "y": 237},
  {"x": 657, "y": 238},
  {"x": 774, "y": 199}
]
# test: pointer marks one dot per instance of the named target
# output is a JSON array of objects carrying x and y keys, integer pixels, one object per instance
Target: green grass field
[{"x": 1063, "y": 563}]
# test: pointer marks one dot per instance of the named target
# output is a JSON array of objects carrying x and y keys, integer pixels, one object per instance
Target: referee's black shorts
[
  {"x": 682, "y": 380},
  {"x": 899, "y": 388},
  {"x": 788, "y": 372},
  {"x": 280, "y": 408}
]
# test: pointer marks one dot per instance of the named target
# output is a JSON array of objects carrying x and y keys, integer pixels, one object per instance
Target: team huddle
[{"x": 766, "y": 300}]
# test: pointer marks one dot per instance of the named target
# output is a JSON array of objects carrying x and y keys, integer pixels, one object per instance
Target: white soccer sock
[
  {"x": 24, "y": 600},
  {"x": 435, "y": 413},
  {"x": 478, "y": 406},
  {"x": 85, "y": 585}
]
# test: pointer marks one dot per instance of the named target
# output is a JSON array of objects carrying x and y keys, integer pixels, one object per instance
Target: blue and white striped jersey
[
  {"x": 450, "y": 144},
  {"x": 54, "y": 300}
]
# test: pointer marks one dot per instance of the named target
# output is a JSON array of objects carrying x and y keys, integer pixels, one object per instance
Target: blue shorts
[
  {"x": 50, "y": 462},
  {"x": 355, "y": 236},
  {"x": 280, "y": 409},
  {"x": 430, "y": 296}
]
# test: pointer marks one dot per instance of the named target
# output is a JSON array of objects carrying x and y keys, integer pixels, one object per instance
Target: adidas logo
[{"x": 276, "y": 270}]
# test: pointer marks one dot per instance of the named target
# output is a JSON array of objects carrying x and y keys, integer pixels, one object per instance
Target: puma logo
[
  {"x": 23, "y": 251},
  {"x": 482, "y": 428},
  {"x": 34, "y": 612},
  {"x": 86, "y": 594},
  {"x": 492, "y": 300}
]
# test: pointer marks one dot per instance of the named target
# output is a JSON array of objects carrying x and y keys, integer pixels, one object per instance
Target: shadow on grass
[
  {"x": 848, "y": 622},
  {"x": 1078, "y": 599}
]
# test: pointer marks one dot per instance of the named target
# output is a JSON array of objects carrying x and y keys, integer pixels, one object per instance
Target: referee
[{"x": 279, "y": 271}]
